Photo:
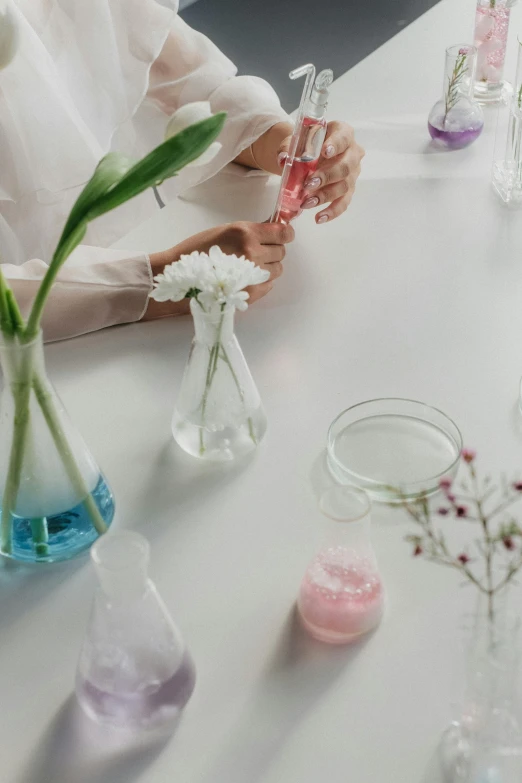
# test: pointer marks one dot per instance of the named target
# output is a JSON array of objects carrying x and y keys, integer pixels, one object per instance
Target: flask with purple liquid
[
  {"x": 134, "y": 670},
  {"x": 456, "y": 120}
]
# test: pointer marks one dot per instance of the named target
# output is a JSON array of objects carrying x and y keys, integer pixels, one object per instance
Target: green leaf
[
  {"x": 163, "y": 162},
  {"x": 116, "y": 180}
]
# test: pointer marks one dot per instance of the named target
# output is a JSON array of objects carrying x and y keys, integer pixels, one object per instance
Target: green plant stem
[
  {"x": 64, "y": 450},
  {"x": 40, "y": 536},
  {"x": 241, "y": 393},
  {"x": 21, "y": 391},
  {"x": 211, "y": 371}
]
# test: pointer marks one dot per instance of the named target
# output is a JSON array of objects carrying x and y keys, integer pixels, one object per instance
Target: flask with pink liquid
[
  {"x": 306, "y": 143},
  {"x": 341, "y": 595}
]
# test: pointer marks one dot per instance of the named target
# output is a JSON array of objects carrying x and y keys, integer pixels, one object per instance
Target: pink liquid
[
  {"x": 491, "y": 33},
  {"x": 305, "y": 162},
  {"x": 294, "y": 193},
  {"x": 341, "y": 596},
  {"x": 148, "y": 708}
]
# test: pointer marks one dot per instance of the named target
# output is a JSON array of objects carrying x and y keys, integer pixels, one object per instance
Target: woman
[{"x": 93, "y": 76}]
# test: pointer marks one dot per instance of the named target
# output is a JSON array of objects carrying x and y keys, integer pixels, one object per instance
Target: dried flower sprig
[
  {"x": 455, "y": 81},
  {"x": 494, "y": 556}
]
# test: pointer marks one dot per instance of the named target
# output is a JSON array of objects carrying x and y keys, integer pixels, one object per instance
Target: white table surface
[{"x": 416, "y": 292}]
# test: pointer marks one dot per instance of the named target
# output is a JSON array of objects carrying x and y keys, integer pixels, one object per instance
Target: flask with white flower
[{"x": 218, "y": 414}]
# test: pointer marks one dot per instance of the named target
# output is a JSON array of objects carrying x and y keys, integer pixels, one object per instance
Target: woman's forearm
[{"x": 263, "y": 152}]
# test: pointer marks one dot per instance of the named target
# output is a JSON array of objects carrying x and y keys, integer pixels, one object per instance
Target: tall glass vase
[
  {"x": 491, "y": 35},
  {"x": 54, "y": 500},
  {"x": 484, "y": 742},
  {"x": 218, "y": 414},
  {"x": 507, "y": 163}
]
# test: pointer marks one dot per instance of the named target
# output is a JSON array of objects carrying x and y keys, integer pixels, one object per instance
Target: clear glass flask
[
  {"x": 507, "y": 162},
  {"x": 483, "y": 744},
  {"x": 456, "y": 120},
  {"x": 55, "y": 501},
  {"x": 491, "y": 35},
  {"x": 134, "y": 671},
  {"x": 342, "y": 596},
  {"x": 218, "y": 414}
]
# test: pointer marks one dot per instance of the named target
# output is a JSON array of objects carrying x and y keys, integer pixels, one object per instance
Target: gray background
[{"x": 270, "y": 37}]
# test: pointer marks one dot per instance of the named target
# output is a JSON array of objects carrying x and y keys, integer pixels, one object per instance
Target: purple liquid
[
  {"x": 455, "y": 140},
  {"x": 146, "y": 709}
]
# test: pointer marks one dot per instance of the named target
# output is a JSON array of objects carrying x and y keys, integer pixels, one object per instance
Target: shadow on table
[
  {"x": 23, "y": 585},
  {"x": 74, "y": 749},
  {"x": 295, "y": 680}
]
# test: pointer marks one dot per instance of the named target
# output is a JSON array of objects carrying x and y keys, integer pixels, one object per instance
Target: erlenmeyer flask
[
  {"x": 134, "y": 669},
  {"x": 55, "y": 501},
  {"x": 341, "y": 595},
  {"x": 218, "y": 414}
]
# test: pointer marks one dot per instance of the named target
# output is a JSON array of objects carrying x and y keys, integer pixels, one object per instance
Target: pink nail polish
[
  {"x": 330, "y": 151},
  {"x": 322, "y": 219},
  {"x": 281, "y": 158},
  {"x": 313, "y": 183},
  {"x": 310, "y": 202}
]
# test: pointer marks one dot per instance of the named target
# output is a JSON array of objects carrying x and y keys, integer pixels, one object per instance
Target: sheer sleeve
[
  {"x": 191, "y": 68},
  {"x": 95, "y": 289}
]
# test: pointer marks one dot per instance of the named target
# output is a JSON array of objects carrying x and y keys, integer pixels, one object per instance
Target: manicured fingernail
[
  {"x": 310, "y": 202},
  {"x": 313, "y": 183},
  {"x": 322, "y": 219},
  {"x": 281, "y": 158},
  {"x": 330, "y": 151}
]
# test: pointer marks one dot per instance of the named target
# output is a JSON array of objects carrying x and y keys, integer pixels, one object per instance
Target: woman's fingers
[
  {"x": 339, "y": 136},
  {"x": 335, "y": 209}
]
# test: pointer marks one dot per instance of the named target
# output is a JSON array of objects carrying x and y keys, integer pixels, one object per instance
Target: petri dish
[{"x": 394, "y": 449}]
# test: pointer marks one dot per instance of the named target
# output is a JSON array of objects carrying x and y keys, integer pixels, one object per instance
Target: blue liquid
[{"x": 69, "y": 532}]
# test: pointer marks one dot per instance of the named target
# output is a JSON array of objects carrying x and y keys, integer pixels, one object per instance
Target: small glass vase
[
  {"x": 491, "y": 35},
  {"x": 55, "y": 502},
  {"x": 507, "y": 163},
  {"x": 135, "y": 671},
  {"x": 341, "y": 596},
  {"x": 484, "y": 742},
  {"x": 218, "y": 414},
  {"x": 456, "y": 120}
]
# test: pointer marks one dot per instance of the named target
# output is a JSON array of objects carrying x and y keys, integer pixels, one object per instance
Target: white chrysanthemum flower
[
  {"x": 186, "y": 116},
  {"x": 217, "y": 279},
  {"x": 8, "y": 33}
]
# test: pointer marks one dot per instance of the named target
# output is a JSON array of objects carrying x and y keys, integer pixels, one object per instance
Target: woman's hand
[
  {"x": 333, "y": 182},
  {"x": 262, "y": 243}
]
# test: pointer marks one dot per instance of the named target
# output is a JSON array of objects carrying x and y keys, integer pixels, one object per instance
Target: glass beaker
[
  {"x": 456, "y": 120},
  {"x": 341, "y": 595}
]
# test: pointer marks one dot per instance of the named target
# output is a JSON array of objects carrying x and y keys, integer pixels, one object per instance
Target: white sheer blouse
[{"x": 91, "y": 76}]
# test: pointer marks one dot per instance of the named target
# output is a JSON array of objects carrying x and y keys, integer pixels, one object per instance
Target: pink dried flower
[
  {"x": 468, "y": 455},
  {"x": 445, "y": 483},
  {"x": 443, "y": 511},
  {"x": 508, "y": 543},
  {"x": 462, "y": 511},
  {"x": 518, "y": 486},
  {"x": 464, "y": 50},
  {"x": 417, "y": 551},
  {"x": 451, "y": 497},
  {"x": 463, "y": 558}
]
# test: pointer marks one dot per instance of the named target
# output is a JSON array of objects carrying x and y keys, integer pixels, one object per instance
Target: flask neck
[
  {"x": 121, "y": 562},
  {"x": 17, "y": 359},
  {"x": 214, "y": 327},
  {"x": 459, "y": 73}
]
